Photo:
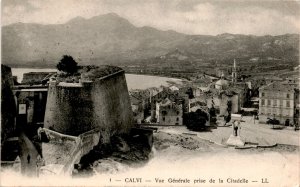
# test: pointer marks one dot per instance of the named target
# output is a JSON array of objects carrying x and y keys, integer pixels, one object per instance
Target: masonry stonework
[
  {"x": 75, "y": 108},
  {"x": 8, "y": 107}
]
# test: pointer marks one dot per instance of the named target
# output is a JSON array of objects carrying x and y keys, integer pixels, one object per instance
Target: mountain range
[{"x": 111, "y": 39}]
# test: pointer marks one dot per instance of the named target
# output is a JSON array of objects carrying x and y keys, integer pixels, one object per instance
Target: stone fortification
[
  {"x": 8, "y": 106},
  {"x": 35, "y": 77},
  {"x": 99, "y": 100}
]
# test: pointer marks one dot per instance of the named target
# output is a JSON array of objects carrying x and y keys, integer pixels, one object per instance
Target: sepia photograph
[{"x": 150, "y": 93}]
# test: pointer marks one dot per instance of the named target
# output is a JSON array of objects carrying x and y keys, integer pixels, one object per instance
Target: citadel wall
[
  {"x": 75, "y": 108},
  {"x": 8, "y": 105},
  {"x": 32, "y": 77},
  {"x": 112, "y": 107}
]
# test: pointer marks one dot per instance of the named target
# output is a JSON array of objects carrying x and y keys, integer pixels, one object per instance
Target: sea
[{"x": 134, "y": 81}]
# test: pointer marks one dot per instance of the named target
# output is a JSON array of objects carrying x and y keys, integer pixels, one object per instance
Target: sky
[{"x": 201, "y": 17}]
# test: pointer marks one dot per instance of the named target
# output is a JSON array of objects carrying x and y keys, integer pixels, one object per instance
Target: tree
[
  {"x": 228, "y": 117},
  {"x": 196, "y": 120},
  {"x": 67, "y": 64}
]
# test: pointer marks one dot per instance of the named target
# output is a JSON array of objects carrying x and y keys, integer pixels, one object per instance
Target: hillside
[{"x": 110, "y": 39}]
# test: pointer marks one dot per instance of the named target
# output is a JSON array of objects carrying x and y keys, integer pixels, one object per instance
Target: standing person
[
  {"x": 239, "y": 128},
  {"x": 235, "y": 128}
]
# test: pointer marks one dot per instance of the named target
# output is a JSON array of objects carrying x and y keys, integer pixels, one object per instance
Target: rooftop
[
  {"x": 277, "y": 86},
  {"x": 221, "y": 84}
]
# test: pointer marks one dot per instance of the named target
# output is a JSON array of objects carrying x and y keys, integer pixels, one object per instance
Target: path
[
  {"x": 27, "y": 148},
  {"x": 250, "y": 132}
]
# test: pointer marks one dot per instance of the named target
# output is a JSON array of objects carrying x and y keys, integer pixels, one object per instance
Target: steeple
[
  {"x": 234, "y": 72},
  {"x": 234, "y": 64}
]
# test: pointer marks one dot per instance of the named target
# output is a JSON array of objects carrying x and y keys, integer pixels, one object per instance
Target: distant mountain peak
[
  {"x": 76, "y": 19},
  {"x": 111, "y": 14},
  {"x": 112, "y": 18},
  {"x": 110, "y": 38},
  {"x": 108, "y": 16},
  {"x": 225, "y": 34}
]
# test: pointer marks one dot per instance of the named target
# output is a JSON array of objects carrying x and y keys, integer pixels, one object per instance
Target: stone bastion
[{"x": 96, "y": 97}]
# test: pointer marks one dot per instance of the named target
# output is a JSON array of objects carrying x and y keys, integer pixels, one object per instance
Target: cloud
[{"x": 198, "y": 17}]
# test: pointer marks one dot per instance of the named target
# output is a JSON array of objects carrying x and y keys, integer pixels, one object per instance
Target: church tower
[{"x": 234, "y": 72}]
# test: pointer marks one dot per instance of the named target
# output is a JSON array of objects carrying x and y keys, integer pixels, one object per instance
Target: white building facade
[{"x": 277, "y": 101}]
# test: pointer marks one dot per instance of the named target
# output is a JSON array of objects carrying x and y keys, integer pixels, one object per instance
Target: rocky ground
[
  {"x": 178, "y": 152},
  {"x": 164, "y": 140},
  {"x": 123, "y": 152}
]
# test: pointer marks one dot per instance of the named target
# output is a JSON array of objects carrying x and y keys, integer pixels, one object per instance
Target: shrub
[{"x": 67, "y": 64}]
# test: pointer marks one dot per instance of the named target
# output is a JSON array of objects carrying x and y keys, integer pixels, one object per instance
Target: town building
[
  {"x": 199, "y": 104},
  {"x": 279, "y": 100},
  {"x": 137, "y": 108},
  {"x": 218, "y": 98},
  {"x": 31, "y": 105},
  {"x": 202, "y": 81},
  {"x": 223, "y": 91},
  {"x": 232, "y": 97},
  {"x": 185, "y": 93},
  {"x": 222, "y": 84},
  {"x": 269, "y": 79},
  {"x": 169, "y": 112}
]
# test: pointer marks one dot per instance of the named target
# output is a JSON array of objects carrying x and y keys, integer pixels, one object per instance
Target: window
[
  {"x": 274, "y": 102},
  {"x": 287, "y": 103},
  {"x": 286, "y": 113},
  {"x": 269, "y": 102},
  {"x": 287, "y": 95},
  {"x": 280, "y": 102},
  {"x": 164, "y": 119},
  {"x": 177, "y": 112},
  {"x": 262, "y": 94},
  {"x": 262, "y": 102},
  {"x": 279, "y": 112},
  {"x": 164, "y": 113},
  {"x": 177, "y": 119}
]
